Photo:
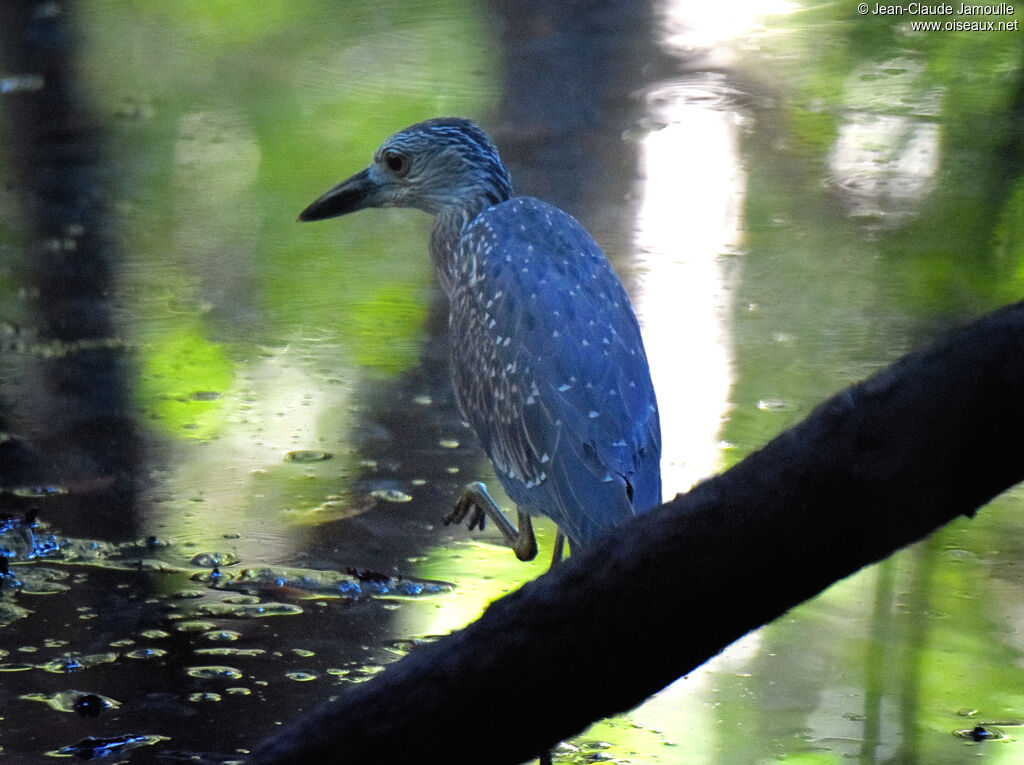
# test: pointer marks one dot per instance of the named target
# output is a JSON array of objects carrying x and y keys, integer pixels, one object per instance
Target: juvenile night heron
[{"x": 548, "y": 364}]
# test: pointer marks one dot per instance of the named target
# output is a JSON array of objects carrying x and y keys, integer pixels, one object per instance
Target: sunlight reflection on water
[{"x": 689, "y": 218}]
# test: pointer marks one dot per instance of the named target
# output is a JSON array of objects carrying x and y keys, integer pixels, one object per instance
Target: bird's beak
[{"x": 356, "y": 193}]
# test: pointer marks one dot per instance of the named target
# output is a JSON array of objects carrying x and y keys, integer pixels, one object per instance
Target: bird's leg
[
  {"x": 478, "y": 505},
  {"x": 559, "y": 548}
]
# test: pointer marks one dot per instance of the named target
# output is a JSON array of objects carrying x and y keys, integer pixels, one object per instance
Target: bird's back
[{"x": 550, "y": 370}]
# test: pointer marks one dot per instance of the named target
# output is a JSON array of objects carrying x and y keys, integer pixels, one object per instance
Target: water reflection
[
  {"x": 687, "y": 225},
  {"x": 65, "y": 371},
  {"x": 886, "y": 155}
]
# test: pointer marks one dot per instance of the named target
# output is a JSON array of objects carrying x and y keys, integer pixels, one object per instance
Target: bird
[{"x": 547, "y": 359}]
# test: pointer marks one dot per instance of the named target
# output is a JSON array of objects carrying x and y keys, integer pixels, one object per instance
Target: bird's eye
[{"x": 397, "y": 163}]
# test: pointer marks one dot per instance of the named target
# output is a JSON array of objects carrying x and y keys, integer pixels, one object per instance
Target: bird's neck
[
  {"x": 457, "y": 211},
  {"x": 444, "y": 241}
]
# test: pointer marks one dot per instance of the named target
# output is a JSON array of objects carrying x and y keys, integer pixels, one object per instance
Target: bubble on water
[
  {"x": 242, "y": 599},
  {"x": 199, "y": 698},
  {"x": 391, "y": 495},
  {"x": 214, "y": 672},
  {"x": 88, "y": 705},
  {"x": 266, "y": 609},
  {"x": 212, "y": 559},
  {"x": 9, "y": 613},
  {"x": 92, "y": 705},
  {"x": 229, "y": 651},
  {"x": 979, "y": 733},
  {"x": 36, "y": 580},
  {"x": 146, "y": 653},
  {"x": 195, "y": 626},
  {"x": 16, "y": 667},
  {"x": 221, "y": 636}
]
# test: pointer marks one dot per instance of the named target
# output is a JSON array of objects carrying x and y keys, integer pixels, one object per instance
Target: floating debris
[
  {"x": 403, "y": 646},
  {"x": 254, "y": 611},
  {"x": 365, "y": 575},
  {"x": 307, "y": 455},
  {"x": 93, "y": 748},
  {"x": 74, "y": 662},
  {"x": 205, "y": 395},
  {"x": 309, "y": 583},
  {"x": 21, "y": 539},
  {"x": 24, "y": 540}
]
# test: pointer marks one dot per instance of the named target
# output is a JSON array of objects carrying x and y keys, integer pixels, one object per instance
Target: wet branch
[{"x": 878, "y": 466}]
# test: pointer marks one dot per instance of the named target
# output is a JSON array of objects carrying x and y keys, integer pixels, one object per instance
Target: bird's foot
[
  {"x": 469, "y": 504},
  {"x": 476, "y": 504}
]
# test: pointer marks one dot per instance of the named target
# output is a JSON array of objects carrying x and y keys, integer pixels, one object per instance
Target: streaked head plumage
[{"x": 439, "y": 165}]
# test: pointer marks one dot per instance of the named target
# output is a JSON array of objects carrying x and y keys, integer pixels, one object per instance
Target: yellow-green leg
[{"x": 477, "y": 504}]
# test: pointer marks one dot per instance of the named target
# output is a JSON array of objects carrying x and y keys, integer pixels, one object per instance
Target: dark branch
[{"x": 877, "y": 467}]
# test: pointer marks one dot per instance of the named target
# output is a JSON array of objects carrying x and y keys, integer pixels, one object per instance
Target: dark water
[{"x": 238, "y": 433}]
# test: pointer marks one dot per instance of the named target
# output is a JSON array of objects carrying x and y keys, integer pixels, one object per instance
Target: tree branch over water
[{"x": 878, "y": 466}]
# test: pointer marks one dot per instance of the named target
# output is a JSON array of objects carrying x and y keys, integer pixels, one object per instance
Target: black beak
[{"x": 356, "y": 193}]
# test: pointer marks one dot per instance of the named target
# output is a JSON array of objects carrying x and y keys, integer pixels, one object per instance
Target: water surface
[{"x": 238, "y": 431}]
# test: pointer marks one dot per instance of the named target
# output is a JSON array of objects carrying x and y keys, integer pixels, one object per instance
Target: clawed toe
[
  {"x": 465, "y": 506},
  {"x": 476, "y": 504}
]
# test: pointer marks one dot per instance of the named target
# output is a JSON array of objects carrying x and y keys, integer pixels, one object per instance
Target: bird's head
[{"x": 446, "y": 164}]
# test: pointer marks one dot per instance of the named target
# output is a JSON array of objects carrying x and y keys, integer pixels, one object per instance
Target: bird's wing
[{"x": 550, "y": 370}]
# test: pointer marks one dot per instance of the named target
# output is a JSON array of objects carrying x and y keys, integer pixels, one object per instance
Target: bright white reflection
[
  {"x": 886, "y": 157},
  {"x": 689, "y": 217},
  {"x": 885, "y": 163},
  {"x": 704, "y": 26},
  {"x": 689, "y": 222}
]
